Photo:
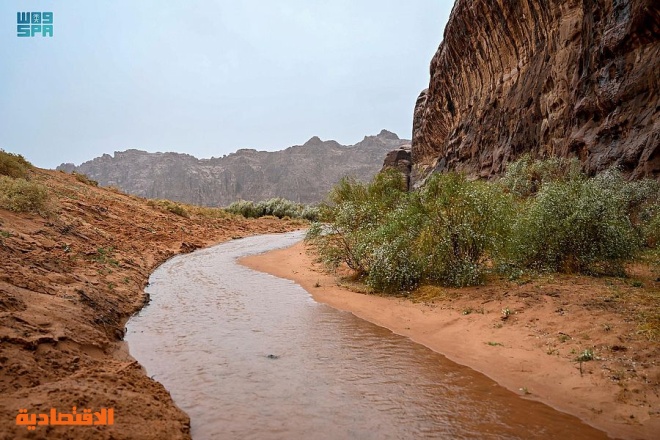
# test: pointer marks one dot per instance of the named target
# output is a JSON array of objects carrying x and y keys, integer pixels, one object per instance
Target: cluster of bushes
[
  {"x": 17, "y": 192},
  {"x": 542, "y": 215},
  {"x": 277, "y": 207}
]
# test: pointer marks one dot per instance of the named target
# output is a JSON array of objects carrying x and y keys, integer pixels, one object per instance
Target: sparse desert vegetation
[{"x": 276, "y": 207}]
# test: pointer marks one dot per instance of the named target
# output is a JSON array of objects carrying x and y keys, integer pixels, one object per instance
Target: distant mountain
[{"x": 302, "y": 173}]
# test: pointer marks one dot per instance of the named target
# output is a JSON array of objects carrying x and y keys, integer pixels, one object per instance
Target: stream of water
[{"x": 251, "y": 356}]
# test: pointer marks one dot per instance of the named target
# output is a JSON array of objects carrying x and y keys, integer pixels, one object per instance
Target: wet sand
[{"x": 531, "y": 352}]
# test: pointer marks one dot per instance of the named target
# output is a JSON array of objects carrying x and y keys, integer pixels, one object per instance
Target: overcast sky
[{"x": 207, "y": 77}]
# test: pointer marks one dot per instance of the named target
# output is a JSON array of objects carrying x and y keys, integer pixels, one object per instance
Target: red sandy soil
[
  {"x": 68, "y": 283},
  {"x": 533, "y": 351}
]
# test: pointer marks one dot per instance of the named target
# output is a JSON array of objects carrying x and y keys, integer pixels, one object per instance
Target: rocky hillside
[
  {"x": 554, "y": 77},
  {"x": 302, "y": 173}
]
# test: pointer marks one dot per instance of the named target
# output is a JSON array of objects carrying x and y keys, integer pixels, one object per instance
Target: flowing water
[{"x": 251, "y": 356}]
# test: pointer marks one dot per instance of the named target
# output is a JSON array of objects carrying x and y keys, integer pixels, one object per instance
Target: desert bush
[
  {"x": 13, "y": 165},
  {"x": 642, "y": 201},
  {"x": 170, "y": 206},
  {"x": 276, "y": 207},
  {"x": 650, "y": 229},
  {"x": 19, "y": 195},
  {"x": 393, "y": 261},
  {"x": 525, "y": 176},
  {"x": 397, "y": 239},
  {"x": 83, "y": 178},
  {"x": 177, "y": 209},
  {"x": 279, "y": 208},
  {"x": 245, "y": 208},
  {"x": 354, "y": 212},
  {"x": 578, "y": 225},
  {"x": 467, "y": 225},
  {"x": 311, "y": 213}
]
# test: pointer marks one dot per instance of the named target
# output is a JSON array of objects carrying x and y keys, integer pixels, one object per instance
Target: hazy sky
[{"x": 207, "y": 77}]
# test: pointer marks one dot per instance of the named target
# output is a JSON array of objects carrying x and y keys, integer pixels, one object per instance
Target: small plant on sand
[
  {"x": 585, "y": 356},
  {"x": 105, "y": 256}
]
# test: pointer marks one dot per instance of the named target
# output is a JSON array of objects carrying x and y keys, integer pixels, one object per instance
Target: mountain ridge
[{"x": 302, "y": 173}]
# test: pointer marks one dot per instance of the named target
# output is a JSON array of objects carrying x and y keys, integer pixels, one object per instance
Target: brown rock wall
[{"x": 551, "y": 77}]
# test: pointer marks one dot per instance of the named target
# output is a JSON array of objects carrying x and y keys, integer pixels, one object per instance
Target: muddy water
[{"x": 251, "y": 356}]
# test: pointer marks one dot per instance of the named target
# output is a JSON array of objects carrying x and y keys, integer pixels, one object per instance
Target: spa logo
[{"x": 31, "y": 24}]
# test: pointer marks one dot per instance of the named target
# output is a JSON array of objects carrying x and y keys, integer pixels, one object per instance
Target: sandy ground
[
  {"x": 533, "y": 351},
  {"x": 68, "y": 283}
]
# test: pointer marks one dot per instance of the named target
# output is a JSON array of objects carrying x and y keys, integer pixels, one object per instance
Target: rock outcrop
[
  {"x": 303, "y": 173},
  {"x": 552, "y": 77},
  {"x": 400, "y": 160}
]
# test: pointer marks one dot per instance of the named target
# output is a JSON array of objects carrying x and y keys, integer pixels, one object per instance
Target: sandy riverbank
[{"x": 532, "y": 351}]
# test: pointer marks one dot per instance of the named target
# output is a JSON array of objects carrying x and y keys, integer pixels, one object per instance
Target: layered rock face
[
  {"x": 550, "y": 77},
  {"x": 303, "y": 173}
]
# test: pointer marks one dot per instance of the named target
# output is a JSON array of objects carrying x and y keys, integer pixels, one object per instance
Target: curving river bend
[{"x": 251, "y": 356}]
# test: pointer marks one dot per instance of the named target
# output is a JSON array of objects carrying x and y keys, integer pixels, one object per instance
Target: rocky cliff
[
  {"x": 551, "y": 77},
  {"x": 303, "y": 173}
]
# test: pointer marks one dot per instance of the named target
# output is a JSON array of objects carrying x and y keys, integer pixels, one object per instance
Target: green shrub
[
  {"x": 397, "y": 239},
  {"x": 311, "y": 213},
  {"x": 467, "y": 224},
  {"x": 526, "y": 176},
  {"x": 243, "y": 207},
  {"x": 579, "y": 225},
  {"x": 276, "y": 207},
  {"x": 13, "y": 165},
  {"x": 19, "y": 195},
  {"x": 642, "y": 200},
  {"x": 651, "y": 228},
  {"x": 354, "y": 213},
  {"x": 393, "y": 260}
]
